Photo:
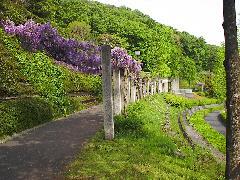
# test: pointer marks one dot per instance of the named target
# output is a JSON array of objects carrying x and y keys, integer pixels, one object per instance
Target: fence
[{"x": 120, "y": 89}]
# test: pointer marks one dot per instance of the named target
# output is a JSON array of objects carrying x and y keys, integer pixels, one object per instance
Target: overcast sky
[{"x": 198, "y": 17}]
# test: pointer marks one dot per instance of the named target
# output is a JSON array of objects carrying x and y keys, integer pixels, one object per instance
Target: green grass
[
  {"x": 142, "y": 150},
  {"x": 183, "y": 102},
  {"x": 211, "y": 135},
  {"x": 224, "y": 116}
]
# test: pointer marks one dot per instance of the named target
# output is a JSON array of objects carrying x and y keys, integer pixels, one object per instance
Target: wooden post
[
  {"x": 107, "y": 92},
  {"x": 117, "y": 92}
]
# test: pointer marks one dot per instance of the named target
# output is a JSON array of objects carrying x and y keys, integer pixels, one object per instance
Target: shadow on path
[
  {"x": 215, "y": 121},
  {"x": 44, "y": 152}
]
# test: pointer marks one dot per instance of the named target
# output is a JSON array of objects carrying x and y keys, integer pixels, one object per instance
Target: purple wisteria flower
[{"x": 80, "y": 56}]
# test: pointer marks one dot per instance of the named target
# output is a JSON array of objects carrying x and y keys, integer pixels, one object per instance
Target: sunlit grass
[{"x": 142, "y": 150}]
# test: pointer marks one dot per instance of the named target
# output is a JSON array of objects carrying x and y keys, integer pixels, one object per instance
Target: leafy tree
[
  {"x": 79, "y": 30},
  {"x": 113, "y": 40},
  {"x": 188, "y": 70}
]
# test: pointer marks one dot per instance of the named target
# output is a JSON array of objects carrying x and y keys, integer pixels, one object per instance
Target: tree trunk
[{"x": 232, "y": 67}]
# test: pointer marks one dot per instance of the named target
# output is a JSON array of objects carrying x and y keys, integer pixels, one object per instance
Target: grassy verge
[
  {"x": 183, "y": 102},
  {"x": 142, "y": 150},
  {"x": 211, "y": 135},
  {"x": 223, "y": 116}
]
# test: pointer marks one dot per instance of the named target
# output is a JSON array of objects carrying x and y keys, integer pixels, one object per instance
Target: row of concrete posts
[
  {"x": 120, "y": 88},
  {"x": 128, "y": 89}
]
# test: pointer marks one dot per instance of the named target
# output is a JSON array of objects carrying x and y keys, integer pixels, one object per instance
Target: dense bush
[
  {"x": 180, "y": 101},
  {"x": 49, "y": 80},
  {"x": 21, "y": 114}
]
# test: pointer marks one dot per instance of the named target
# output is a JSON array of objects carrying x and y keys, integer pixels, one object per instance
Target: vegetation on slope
[
  {"x": 164, "y": 51},
  {"x": 211, "y": 135},
  {"x": 142, "y": 149}
]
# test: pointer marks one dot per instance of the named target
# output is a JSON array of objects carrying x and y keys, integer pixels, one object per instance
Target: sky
[{"x": 202, "y": 18}]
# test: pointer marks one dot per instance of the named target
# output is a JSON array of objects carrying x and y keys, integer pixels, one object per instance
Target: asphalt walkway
[
  {"x": 43, "y": 153},
  {"x": 214, "y": 120}
]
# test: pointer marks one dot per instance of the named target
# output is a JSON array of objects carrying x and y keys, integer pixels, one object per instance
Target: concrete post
[
  {"x": 122, "y": 89},
  {"x": 133, "y": 90},
  {"x": 144, "y": 87},
  {"x": 117, "y": 92},
  {"x": 125, "y": 89},
  {"x": 154, "y": 86},
  {"x": 107, "y": 92},
  {"x": 159, "y": 85},
  {"x": 129, "y": 90},
  {"x": 148, "y": 86},
  {"x": 152, "y": 89},
  {"x": 140, "y": 88},
  {"x": 175, "y": 85}
]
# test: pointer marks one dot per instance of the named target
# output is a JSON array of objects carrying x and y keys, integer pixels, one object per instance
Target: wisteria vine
[{"x": 80, "y": 56}]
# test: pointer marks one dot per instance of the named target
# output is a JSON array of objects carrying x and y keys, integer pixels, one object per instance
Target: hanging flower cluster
[
  {"x": 80, "y": 56},
  {"x": 121, "y": 59}
]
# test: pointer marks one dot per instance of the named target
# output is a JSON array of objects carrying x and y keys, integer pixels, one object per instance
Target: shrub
[
  {"x": 180, "y": 101},
  {"x": 21, "y": 114}
]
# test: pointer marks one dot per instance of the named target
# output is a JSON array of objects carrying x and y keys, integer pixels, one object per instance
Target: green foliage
[
  {"x": 18, "y": 115},
  {"x": 15, "y": 11},
  {"x": 112, "y": 40},
  {"x": 182, "y": 102},
  {"x": 164, "y": 51},
  {"x": 219, "y": 76},
  {"x": 9, "y": 72},
  {"x": 224, "y": 116},
  {"x": 48, "y": 80},
  {"x": 141, "y": 150},
  {"x": 39, "y": 70},
  {"x": 79, "y": 30},
  {"x": 211, "y": 135},
  {"x": 188, "y": 70}
]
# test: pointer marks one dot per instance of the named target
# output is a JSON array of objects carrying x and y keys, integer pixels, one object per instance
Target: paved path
[
  {"x": 44, "y": 152},
  {"x": 214, "y": 120}
]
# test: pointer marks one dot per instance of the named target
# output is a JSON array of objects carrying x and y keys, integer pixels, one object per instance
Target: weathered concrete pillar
[
  {"x": 152, "y": 89},
  {"x": 144, "y": 87},
  {"x": 133, "y": 90},
  {"x": 122, "y": 89},
  {"x": 165, "y": 85},
  {"x": 140, "y": 88},
  {"x": 159, "y": 85},
  {"x": 148, "y": 87},
  {"x": 117, "y": 92},
  {"x": 137, "y": 89},
  {"x": 125, "y": 89},
  {"x": 175, "y": 85},
  {"x": 107, "y": 92},
  {"x": 129, "y": 90},
  {"x": 154, "y": 86}
]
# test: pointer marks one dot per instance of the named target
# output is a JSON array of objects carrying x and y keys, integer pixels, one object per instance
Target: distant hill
[{"x": 164, "y": 50}]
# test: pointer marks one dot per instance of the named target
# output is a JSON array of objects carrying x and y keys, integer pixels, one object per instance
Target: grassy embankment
[
  {"x": 143, "y": 149},
  {"x": 211, "y": 135}
]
